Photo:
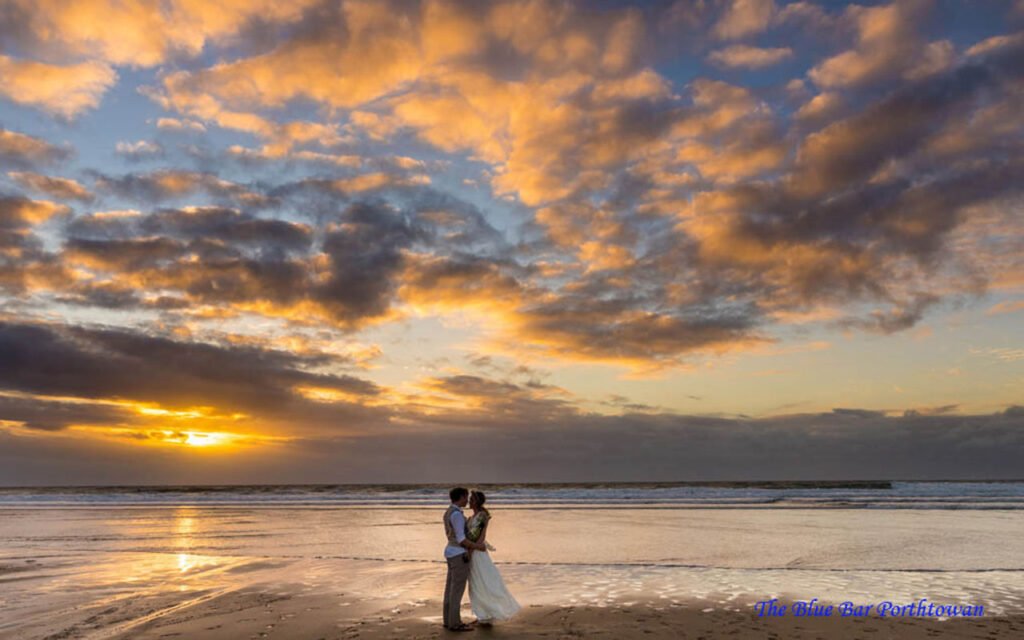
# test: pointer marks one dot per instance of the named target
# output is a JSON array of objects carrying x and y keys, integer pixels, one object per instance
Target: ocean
[{"x": 844, "y": 495}]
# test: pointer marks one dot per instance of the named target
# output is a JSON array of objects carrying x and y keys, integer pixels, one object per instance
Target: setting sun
[{"x": 206, "y": 439}]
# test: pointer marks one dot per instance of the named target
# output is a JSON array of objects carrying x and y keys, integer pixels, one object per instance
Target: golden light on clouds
[
  {"x": 234, "y": 225},
  {"x": 320, "y": 394},
  {"x": 219, "y": 441}
]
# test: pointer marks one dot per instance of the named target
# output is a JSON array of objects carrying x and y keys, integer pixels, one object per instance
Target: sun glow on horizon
[
  {"x": 221, "y": 441},
  {"x": 194, "y": 439}
]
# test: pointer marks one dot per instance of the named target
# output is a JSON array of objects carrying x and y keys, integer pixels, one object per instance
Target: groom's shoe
[{"x": 461, "y": 627}]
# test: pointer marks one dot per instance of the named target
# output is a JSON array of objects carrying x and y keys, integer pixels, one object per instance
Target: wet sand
[
  {"x": 218, "y": 572},
  {"x": 255, "y": 599},
  {"x": 315, "y": 617}
]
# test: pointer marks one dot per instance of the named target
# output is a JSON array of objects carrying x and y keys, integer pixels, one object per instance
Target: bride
[{"x": 488, "y": 596}]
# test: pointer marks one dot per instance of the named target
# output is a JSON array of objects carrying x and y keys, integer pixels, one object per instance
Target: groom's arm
[
  {"x": 473, "y": 546},
  {"x": 477, "y": 546}
]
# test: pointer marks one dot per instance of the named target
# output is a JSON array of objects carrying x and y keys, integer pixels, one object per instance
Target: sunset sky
[{"x": 256, "y": 241}]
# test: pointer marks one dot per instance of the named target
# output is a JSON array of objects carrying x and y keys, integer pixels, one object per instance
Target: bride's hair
[{"x": 480, "y": 498}]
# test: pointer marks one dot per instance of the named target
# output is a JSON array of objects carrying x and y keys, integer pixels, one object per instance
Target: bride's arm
[
  {"x": 487, "y": 545},
  {"x": 483, "y": 536}
]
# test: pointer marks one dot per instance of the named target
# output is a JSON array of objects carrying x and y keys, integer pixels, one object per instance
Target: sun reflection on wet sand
[{"x": 184, "y": 526}]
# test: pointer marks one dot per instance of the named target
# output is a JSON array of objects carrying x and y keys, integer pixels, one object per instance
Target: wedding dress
[{"x": 488, "y": 596}]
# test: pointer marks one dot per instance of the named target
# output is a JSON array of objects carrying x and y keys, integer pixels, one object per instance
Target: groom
[{"x": 457, "y": 555}]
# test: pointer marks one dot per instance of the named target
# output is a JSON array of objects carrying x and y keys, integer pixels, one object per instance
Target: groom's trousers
[{"x": 454, "y": 588}]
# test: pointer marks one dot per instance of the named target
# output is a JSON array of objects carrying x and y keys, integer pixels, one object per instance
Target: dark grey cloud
[
  {"x": 897, "y": 319},
  {"x": 455, "y": 225},
  {"x": 102, "y": 363},
  {"x": 15, "y": 221},
  {"x": 366, "y": 255},
  {"x": 616, "y": 327},
  {"x": 842, "y": 445},
  {"x": 169, "y": 184},
  {"x": 625, "y": 404},
  {"x": 858, "y": 413},
  {"x": 465, "y": 274},
  {"x": 45, "y": 414},
  {"x": 125, "y": 255},
  {"x": 22, "y": 151},
  {"x": 529, "y": 403},
  {"x": 853, "y": 149},
  {"x": 231, "y": 226},
  {"x": 944, "y": 409},
  {"x": 347, "y": 258},
  {"x": 22, "y": 255},
  {"x": 252, "y": 267},
  {"x": 540, "y": 431},
  {"x": 104, "y": 295},
  {"x": 846, "y": 444}
]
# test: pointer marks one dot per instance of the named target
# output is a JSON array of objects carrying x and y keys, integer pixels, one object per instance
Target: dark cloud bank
[
  {"x": 521, "y": 431},
  {"x": 826, "y": 446}
]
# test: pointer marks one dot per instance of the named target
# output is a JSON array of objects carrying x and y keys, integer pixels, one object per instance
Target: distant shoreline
[{"x": 721, "y": 484}]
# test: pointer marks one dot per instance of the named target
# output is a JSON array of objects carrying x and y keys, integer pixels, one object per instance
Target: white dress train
[{"x": 489, "y": 598}]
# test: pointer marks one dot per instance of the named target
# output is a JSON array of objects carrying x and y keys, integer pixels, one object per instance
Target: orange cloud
[
  {"x": 448, "y": 97},
  {"x": 175, "y": 124},
  {"x": 183, "y": 93},
  {"x": 1009, "y": 306},
  {"x": 61, "y": 188},
  {"x": 23, "y": 212},
  {"x": 744, "y": 18},
  {"x": 887, "y": 45},
  {"x": 757, "y": 152},
  {"x": 376, "y": 180},
  {"x": 142, "y": 32},
  {"x": 25, "y": 151},
  {"x": 61, "y": 90},
  {"x": 820, "y": 107},
  {"x": 750, "y": 57}
]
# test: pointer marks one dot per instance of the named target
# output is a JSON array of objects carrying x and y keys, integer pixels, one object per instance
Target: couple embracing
[{"x": 468, "y": 561}]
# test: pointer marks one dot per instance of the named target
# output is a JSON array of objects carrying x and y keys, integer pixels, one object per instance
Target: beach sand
[
  {"x": 296, "y": 611},
  {"x": 296, "y": 574},
  {"x": 255, "y": 615}
]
